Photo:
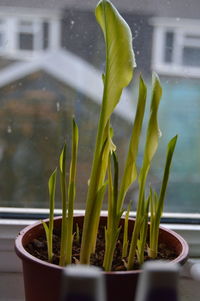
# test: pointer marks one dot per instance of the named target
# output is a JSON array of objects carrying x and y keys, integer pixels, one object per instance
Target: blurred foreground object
[
  {"x": 82, "y": 283},
  {"x": 159, "y": 281},
  {"x": 195, "y": 271}
]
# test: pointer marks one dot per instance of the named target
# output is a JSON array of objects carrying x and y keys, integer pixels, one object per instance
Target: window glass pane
[
  {"x": 26, "y": 41},
  {"x": 180, "y": 113},
  {"x": 39, "y": 98},
  {"x": 36, "y": 119},
  {"x": 169, "y": 42},
  {"x": 45, "y": 26},
  {"x": 191, "y": 56}
]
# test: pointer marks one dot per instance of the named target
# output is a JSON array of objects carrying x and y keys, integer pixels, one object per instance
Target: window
[
  {"x": 169, "y": 41},
  {"x": 27, "y": 34},
  {"x": 33, "y": 35},
  {"x": 51, "y": 60},
  {"x": 176, "y": 48}
]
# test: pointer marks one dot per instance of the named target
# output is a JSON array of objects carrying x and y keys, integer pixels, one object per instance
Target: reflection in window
[
  {"x": 191, "y": 56},
  {"x": 45, "y": 28},
  {"x": 37, "y": 102},
  {"x": 26, "y": 31},
  {"x": 169, "y": 43},
  {"x": 26, "y": 41},
  {"x": 176, "y": 47},
  {"x": 26, "y": 37},
  {"x": 33, "y": 35}
]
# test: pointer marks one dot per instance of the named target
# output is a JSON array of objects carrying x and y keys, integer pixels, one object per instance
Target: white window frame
[
  {"x": 34, "y": 29},
  {"x": 181, "y": 28},
  {"x": 2, "y": 31},
  {"x": 11, "y": 30}
]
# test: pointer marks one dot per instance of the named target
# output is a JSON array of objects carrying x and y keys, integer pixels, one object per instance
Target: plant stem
[
  {"x": 63, "y": 246},
  {"x": 71, "y": 193}
]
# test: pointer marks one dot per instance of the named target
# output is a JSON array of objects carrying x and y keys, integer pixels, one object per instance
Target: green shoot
[
  {"x": 108, "y": 147},
  {"x": 49, "y": 229},
  {"x": 77, "y": 234},
  {"x": 153, "y": 244},
  {"x": 120, "y": 64},
  {"x": 101, "y": 167},
  {"x": 130, "y": 174},
  {"x": 118, "y": 74},
  {"x": 157, "y": 204},
  {"x": 71, "y": 192},
  {"x": 130, "y": 171},
  {"x": 141, "y": 243},
  {"x": 153, "y": 134},
  {"x": 112, "y": 230},
  {"x": 63, "y": 185},
  {"x": 125, "y": 236}
]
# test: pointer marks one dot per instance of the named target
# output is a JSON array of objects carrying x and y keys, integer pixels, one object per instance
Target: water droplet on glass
[
  {"x": 135, "y": 34},
  {"x": 58, "y": 106},
  {"x": 9, "y": 129},
  {"x": 72, "y": 23}
]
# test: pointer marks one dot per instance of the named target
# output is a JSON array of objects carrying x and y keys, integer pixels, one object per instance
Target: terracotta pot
[{"x": 42, "y": 279}]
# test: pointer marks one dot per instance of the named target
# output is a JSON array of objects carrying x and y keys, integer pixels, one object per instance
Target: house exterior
[
  {"x": 60, "y": 43},
  {"x": 36, "y": 26}
]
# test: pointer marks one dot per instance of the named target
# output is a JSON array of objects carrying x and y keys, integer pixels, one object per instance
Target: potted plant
[{"x": 123, "y": 243}]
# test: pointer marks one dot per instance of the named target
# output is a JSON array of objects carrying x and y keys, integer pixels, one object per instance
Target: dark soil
[{"x": 38, "y": 248}]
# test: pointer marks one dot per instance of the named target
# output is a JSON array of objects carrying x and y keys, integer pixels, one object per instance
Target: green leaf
[
  {"x": 52, "y": 190},
  {"x": 153, "y": 131},
  {"x": 130, "y": 171},
  {"x": 120, "y": 59},
  {"x": 63, "y": 185},
  {"x": 170, "y": 152},
  {"x": 157, "y": 203},
  {"x": 71, "y": 191},
  {"x": 143, "y": 233},
  {"x": 46, "y": 231},
  {"x": 63, "y": 159},
  {"x": 125, "y": 234},
  {"x": 152, "y": 137},
  {"x": 95, "y": 217},
  {"x": 77, "y": 234}
]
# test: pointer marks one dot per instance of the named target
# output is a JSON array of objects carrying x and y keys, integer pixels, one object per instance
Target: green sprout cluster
[{"x": 120, "y": 64}]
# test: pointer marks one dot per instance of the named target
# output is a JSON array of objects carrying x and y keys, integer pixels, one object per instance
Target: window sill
[{"x": 9, "y": 228}]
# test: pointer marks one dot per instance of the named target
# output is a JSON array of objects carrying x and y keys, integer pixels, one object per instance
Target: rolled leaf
[
  {"x": 120, "y": 59},
  {"x": 153, "y": 131},
  {"x": 130, "y": 171}
]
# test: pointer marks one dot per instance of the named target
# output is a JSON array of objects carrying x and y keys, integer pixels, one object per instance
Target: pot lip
[{"x": 26, "y": 256}]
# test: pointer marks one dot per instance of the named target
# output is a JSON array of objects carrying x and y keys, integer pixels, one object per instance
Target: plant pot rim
[{"x": 25, "y": 255}]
